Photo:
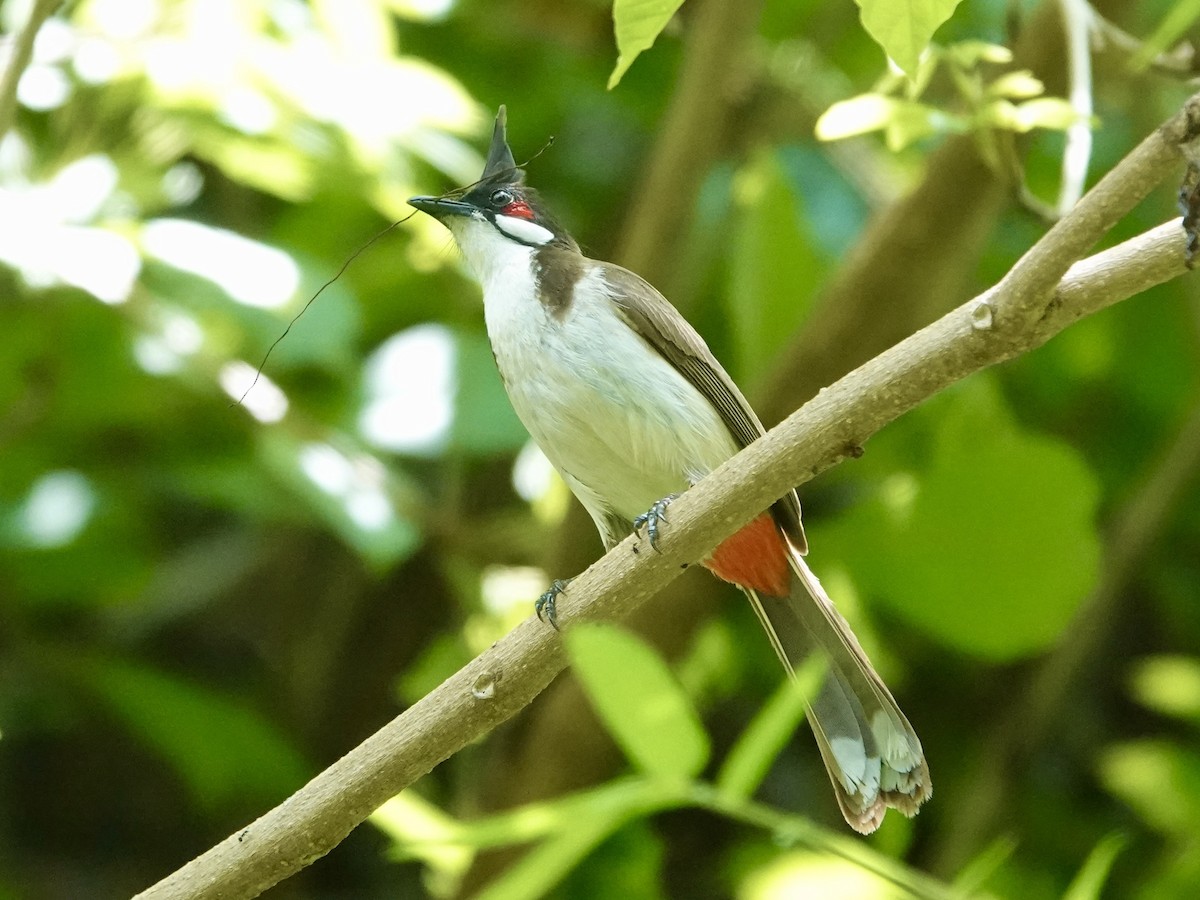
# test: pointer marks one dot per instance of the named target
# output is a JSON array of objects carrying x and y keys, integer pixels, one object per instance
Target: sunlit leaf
[
  {"x": 904, "y": 28},
  {"x": 1088, "y": 883},
  {"x": 1016, "y": 85},
  {"x": 1042, "y": 112},
  {"x": 422, "y": 830},
  {"x": 1160, "y": 781},
  {"x": 637, "y": 24},
  {"x": 1169, "y": 685},
  {"x": 902, "y": 121},
  {"x": 808, "y": 874},
  {"x": 858, "y": 115},
  {"x": 969, "y": 54},
  {"x": 641, "y": 703}
]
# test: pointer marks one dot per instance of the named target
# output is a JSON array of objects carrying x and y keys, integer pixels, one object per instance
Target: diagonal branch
[
  {"x": 18, "y": 61},
  {"x": 1038, "y": 299}
]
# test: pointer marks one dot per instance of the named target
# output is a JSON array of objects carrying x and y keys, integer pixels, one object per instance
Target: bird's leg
[
  {"x": 651, "y": 518},
  {"x": 545, "y": 606}
]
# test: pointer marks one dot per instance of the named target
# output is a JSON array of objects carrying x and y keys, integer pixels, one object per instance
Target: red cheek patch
[{"x": 518, "y": 208}]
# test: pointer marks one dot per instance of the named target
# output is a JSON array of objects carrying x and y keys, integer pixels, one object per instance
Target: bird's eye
[{"x": 501, "y": 197}]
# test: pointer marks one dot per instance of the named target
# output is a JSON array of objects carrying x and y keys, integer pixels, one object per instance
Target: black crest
[{"x": 501, "y": 167}]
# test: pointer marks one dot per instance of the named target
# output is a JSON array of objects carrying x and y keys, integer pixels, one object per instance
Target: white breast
[{"x": 615, "y": 418}]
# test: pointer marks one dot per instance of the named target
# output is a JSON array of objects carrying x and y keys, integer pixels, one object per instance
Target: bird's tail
[{"x": 872, "y": 754}]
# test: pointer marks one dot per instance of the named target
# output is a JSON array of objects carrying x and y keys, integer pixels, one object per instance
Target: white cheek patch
[{"x": 524, "y": 231}]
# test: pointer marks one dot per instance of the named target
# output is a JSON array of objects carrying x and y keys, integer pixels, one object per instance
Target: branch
[
  {"x": 1023, "y": 312},
  {"x": 22, "y": 52}
]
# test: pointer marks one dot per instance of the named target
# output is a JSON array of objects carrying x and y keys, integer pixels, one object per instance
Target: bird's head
[{"x": 499, "y": 214}]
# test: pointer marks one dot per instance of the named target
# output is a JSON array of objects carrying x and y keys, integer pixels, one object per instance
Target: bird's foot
[
  {"x": 546, "y": 605},
  {"x": 651, "y": 518}
]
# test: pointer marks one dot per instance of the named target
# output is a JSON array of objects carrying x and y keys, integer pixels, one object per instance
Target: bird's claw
[
  {"x": 651, "y": 518},
  {"x": 546, "y": 605}
]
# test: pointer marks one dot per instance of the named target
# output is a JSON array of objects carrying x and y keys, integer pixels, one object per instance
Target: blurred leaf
[
  {"x": 991, "y": 544},
  {"x": 979, "y": 870},
  {"x": 613, "y": 802},
  {"x": 769, "y": 732},
  {"x": 628, "y": 863},
  {"x": 267, "y": 164},
  {"x": 904, "y": 28},
  {"x": 1088, "y": 884},
  {"x": 637, "y": 24},
  {"x": 771, "y": 283},
  {"x": 804, "y": 874},
  {"x": 422, "y": 830},
  {"x": 969, "y": 54},
  {"x": 225, "y": 751},
  {"x": 568, "y": 827},
  {"x": 327, "y": 334},
  {"x": 858, "y": 115},
  {"x": 358, "y": 30},
  {"x": 1158, "y": 779},
  {"x": 595, "y": 820},
  {"x": 1179, "y": 18},
  {"x": 1052, "y": 113},
  {"x": 1016, "y": 85},
  {"x": 903, "y": 121},
  {"x": 484, "y": 421},
  {"x": 359, "y": 500},
  {"x": 441, "y": 658},
  {"x": 1169, "y": 685},
  {"x": 641, "y": 703}
]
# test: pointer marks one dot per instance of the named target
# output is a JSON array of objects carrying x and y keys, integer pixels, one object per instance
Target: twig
[
  {"x": 21, "y": 54},
  {"x": 1028, "y": 308},
  {"x": 1077, "y": 26}
]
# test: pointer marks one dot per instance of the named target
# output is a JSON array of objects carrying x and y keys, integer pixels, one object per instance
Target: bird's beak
[{"x": 441, "y": 207}]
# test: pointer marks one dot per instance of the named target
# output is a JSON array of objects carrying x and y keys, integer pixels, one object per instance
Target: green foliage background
[{"x": 204, "y": 603}]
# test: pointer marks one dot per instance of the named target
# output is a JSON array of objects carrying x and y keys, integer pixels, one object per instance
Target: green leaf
[
  {"x": 225, "y": 751},
  {"x": 1017, "y": 85},
  {"x": 1159, "y": 780},
  {"x": 1052, "y": 113},
  {"x": 566, "y": 830},
  {"x": 1175, "y": 23},
  {"x": 1169, "y": 685},
  {"x": 639, "y": 700},
  {"x": 629, "y": 863},
  {"x": 364, "y": 503},
  {"x": 637, "y": 24},
  {"x": 773, "y": 269},
  {"x": 969, "y": 54},
  {"x": 904, "y": 28},
  {"x": 858, "y": 115},
  {"x": 988, "y": 542},
  {"x": 1089, "y": 882},
  {"x": 768, "y": 733},
  {"x": 484, "y": 421},
  {"x": 902, "y": 121}
]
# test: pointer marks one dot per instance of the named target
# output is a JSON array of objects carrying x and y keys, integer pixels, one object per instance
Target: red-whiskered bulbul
[{"x": 631, "y": 407}]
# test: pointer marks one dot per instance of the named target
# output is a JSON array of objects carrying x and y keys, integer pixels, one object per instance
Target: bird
[{"x": 630, "y": 406}]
